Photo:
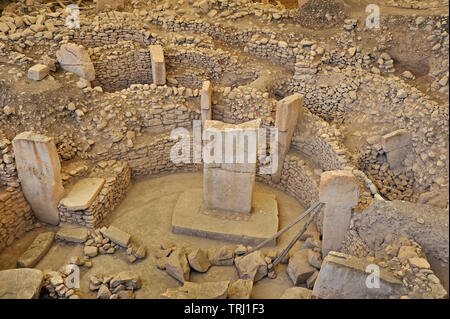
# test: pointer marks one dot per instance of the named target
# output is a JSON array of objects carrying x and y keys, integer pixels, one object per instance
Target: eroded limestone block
[
  {"x": 38, "y": 249},
  {"x": 297, "y": 293},
  {"x": 240, "y": 289},
  {"x": 192, "y": 290},
  {"x": 22, "y": 283},
  {"x": 38, "y": 72},
  {"x": 117, "y": 236},
  {"x": 344, "y": 277},
  {"x": 82, "y": 194},
  {"x": 73, "y": 235},
  {"x": 198, "y": 259},
  {"x": 158, "y": 64},
  {"x": 395, "y": 140},
  {"x": 299, "y": 269},
  {"x": 252, "y": 266},
  {"x": 39, "y": 171},
  {"x": 75, "y": 58},
  {"x": 177, "y": 265},
  {"x": 288, "y": 112}
]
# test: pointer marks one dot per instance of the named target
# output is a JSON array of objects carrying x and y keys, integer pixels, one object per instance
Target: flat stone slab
[
  {"x": 190, "y": 218},
  {"x": 38, "y": 249},
  {"x": 74, "y": 235},
  {"x": 82, "y": 194},
  {"x": 117, "y": 236},
  {"x": 21, "y": 283},
  {"x": 192, "y": 290},
  {"x": 344, "y": 276}
]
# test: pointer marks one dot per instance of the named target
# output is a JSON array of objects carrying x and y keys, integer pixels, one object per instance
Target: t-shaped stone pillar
[
  {"x": 229, "y": 179},
  {"x": 289, "y": 111},
  {"x": 158, "y": 64},
  {"x": 39, "y": 172},
  {"x": 340, "y": 192},
  {"x": 205, "y": 102}
]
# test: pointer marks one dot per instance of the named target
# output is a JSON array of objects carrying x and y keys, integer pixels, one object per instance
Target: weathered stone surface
[
  {"x": 90, "y": 251},
  {"x": 221, "y": 256},
  {"x": 252, "y": 266},
  {"x": 74, "y": 235},
  {"x": 158, "y": 64},
  {"x": 205, "y": 98},
  {"x": 38, "y": 72},
  {"x": 127, "y": 278},
  {"x": 199, "y": 261},
  {"x": 240, "y": 289},
  {"x": 396, "y": 140},
  {"x": 75, "y": 58},
  {"x": 299, "y": 269},
  {"x": 314, "y": 258},
  {"x": 38, "y": 249},
  {"x": 340, "y": 192},
  {"x": 344, "y": 277},
  {"x": 288, "y": 112},
  {"x": 117, "y": 236},
  {"x": 297, "y": 293},
  {"x": 191, "y": 290},
  {"x": 177, "y": 265},
  {"x": 39, "y": 171},
  {"x": 23, "y": 283},
  {"x": 82, "y": 194},
  {"x": 103, "y": 292}
]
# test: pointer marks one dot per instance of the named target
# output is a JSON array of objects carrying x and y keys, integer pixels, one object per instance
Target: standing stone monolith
[
  {"x": 340, "y": 192},
  {"x": 289, "y": 111},
  {"x": 229, "y": 179},
  {"x": 205, "y": 102},
  {"x": 39, "y": 170},
  {"x": 158, "y": 64}
]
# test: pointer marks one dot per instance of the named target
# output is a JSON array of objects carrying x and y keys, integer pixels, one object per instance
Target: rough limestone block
[
  {"x": 288, "y": 112},
  {"x": 344, "y": 277},
  {"x": 73, "y": 235},
  {"x": 339, "y": 187},
  {"x": 177, "y": 265},
  {"x": 22, "y": 283},
  {"x": 82, "y": 194},
  {"x": 158, "y": 64},
  {"x": 117, "y": 236},
  {"x": 395, "y": 140},
  {"x": 38, "y": 72},
  {"x": 340, "y": 192},
  {"x": 299, "y": 269},
  {"x": 75, "y": 58},
  {"x": 240, "y": 289},
  {"x": 106, "y": 5},
  {"x": 395, "y": 158},
  {"x": 205, "y": 99},
  {"x": 297, "y": 293},
  {"x": 252, "y": 266},
  {"x": 38, "y": 249},
  {"x": 193, "y": 290},
  {"x": 39, "y": 171},
  {"x": 198, "y": 260},
  {"x": 227, "y": 190}
]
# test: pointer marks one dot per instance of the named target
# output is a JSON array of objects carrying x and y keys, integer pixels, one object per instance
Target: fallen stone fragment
[
  {"x": 192, "y": 290},
  {"x": 221, "y": 257},
  {"x": 117, "y": 236},
  {"x": 199, "y": 261},
  {"x": 252, "y": 266},
  {"x": 74, "y": 235},
  {"x": 23, "y": 283},
  {"x": 127, "y": 278},
  {"x": 297, "y": 293},
  {"x": 344, "y": 277},
  {"x": 299, "y": 269},
  {"x": 90, "y": 251},
  {"x": 177, "y": 265},
  {"x": 314, "y": 258},
  {"x": 141, "y": 252},
  {"x": 240, "y": 289},
  {"x": 103, "y": 292},
  {"x": 38, "y": 72},
  {"x": 38, "y": 249},
  {"x": 75, "y": 58}
]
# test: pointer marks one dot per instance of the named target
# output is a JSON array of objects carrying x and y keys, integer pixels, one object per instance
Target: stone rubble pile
[{"x": 119, "y": 286}]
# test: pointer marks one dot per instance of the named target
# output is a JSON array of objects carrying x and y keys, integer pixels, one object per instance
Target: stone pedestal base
[{"x": 191, "y": 218}]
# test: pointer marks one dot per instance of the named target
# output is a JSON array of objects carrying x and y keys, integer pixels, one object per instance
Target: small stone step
[
  {"x": 38, "y": 249},
  {"x": 82, "y": 194}
]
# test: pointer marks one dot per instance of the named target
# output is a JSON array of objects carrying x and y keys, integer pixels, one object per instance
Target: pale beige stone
[
  {"x": 82, "y": 194},
  {"x": 75, "y": 58},
  {"x": 107, "y": 5},
  {"x": 288, "y": 112},
  {"x": 39, "y": 171},
  {"x": 158, "y": 64},
  {"x": 38, "y": 72},
  {"x": 395, "y": 140}
]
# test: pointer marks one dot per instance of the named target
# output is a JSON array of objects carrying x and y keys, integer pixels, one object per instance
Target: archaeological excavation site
[{"x": 224, "y": 149}]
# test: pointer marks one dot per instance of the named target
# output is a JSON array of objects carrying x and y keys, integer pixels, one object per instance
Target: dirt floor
[{"x": 146, "y": 214}]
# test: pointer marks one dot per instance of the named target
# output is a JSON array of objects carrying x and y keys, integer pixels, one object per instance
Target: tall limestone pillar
[
  {"x": 289, "y": 111},
  {"x": 158, "y": 64},
  {"x": 340, "y": 192},
  {"x": 39, "y": 171},
  {"x": 205, "y": 102}
]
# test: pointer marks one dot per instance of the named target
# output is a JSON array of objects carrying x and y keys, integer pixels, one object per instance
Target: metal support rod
[
  {"x": 297, "y": 237},
  {"x": 265, "y": 242}
]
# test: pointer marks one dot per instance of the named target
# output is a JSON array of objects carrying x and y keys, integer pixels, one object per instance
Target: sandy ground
[{"x": 146, "y": 213}]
